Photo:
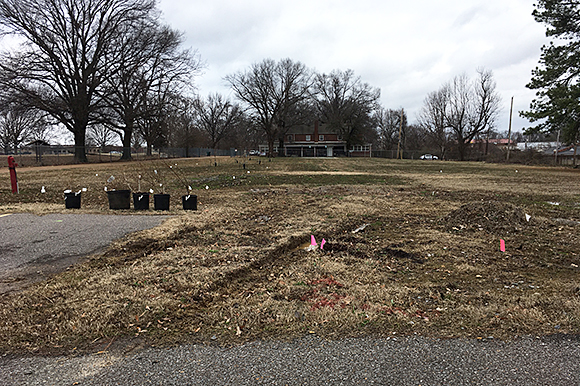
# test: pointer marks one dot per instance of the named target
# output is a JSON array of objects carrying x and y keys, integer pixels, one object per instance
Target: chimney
[{"x": 316, "y": 130}]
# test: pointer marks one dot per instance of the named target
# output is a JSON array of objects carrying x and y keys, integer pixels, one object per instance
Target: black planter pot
[
  {"x": 189, "y": 202},
  {"x": 161, "y": 201},
  {"x": 72, "y": 200},
  {"x": 141, "y": 201},
  {"x": 119, "y": 199}
]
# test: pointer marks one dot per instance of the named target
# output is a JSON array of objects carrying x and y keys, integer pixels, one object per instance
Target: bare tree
[
  {"x": 432, "y": 118},
  {"x": 466, "y": 108},
  {"x": 217, "y": 117},
  {"x": 100, "y": 135},
  {"x": 246, "y": 135},
  {"x": 346, "y": 104},
  {"x": 182, "y": 119},
  {"x": 296, "y": 107},
  {"x": 388, "y": 126},
  {"x": 66, "y": 55},
  {"x": 415, "y": 138},
  {"x": 149, "y": 54},
  {"x": 473, "y": 108},
  {"x": 18, "y": 125},
  {"x": 152, "y": 126},
  {"x": 269, "y": 91},
  {"x": 162, "y": 105}
]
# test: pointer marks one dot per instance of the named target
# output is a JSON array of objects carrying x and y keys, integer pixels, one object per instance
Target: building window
[
  {"x": 321, "y": 137},
  {"x": 308, "y": 138},
  {"x": 289, "y": 138}
]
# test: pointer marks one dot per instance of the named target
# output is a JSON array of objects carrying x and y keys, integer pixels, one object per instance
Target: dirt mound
[{"x": 490, "y": 216}]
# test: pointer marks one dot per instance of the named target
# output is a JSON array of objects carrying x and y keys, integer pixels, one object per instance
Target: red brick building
[{"x": 317, "y": 140}]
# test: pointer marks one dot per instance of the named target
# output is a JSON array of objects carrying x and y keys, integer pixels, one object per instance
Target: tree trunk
[
  {"x": 461, "y": 146},
  {"x": 487, "y": 141},
  {"x": 270, "y": 147},
  {"x": 442, "y": 152},
  {"x": 127, "y": 136},
  {"x": 281, "y": 147},
  {"x": 80, "y": 149}
]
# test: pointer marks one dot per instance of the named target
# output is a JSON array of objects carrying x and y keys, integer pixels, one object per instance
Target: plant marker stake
[
  {"x": 502, "y": 245},
  {"x": 322, "y": 243}
]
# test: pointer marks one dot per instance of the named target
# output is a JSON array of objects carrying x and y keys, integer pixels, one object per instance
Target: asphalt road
[
  {"x": 313, "y": 361},
  {"x": 34, "y": 247}
]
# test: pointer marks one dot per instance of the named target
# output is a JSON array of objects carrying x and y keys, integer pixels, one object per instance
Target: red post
[{"x": 12, "y": 166}]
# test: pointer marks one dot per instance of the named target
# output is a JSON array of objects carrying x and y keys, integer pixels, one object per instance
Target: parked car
[
  {"x": 253, "y": 152},
  {"x": 428, "y": 157}
]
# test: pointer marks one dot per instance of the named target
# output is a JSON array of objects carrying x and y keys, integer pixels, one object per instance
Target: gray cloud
[{"x": 406, "y": 48}]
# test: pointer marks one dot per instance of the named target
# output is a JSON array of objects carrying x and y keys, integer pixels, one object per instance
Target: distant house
[
  {"x": 501, "y": 143},
  {"x": 563, "y": 155},
  {"x": 317, "y": 140},
  {"x": 539, "y": 146},
  {"x": 37, "y": 143},
  {"x": 43, "y": 147}
]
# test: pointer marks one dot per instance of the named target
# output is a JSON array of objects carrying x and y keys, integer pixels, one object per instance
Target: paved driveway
[{"x": 33, "y": 247}]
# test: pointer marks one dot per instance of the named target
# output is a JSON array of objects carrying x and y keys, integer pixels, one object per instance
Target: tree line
[
  {"x": 85, "y": 63},
  {"x": 110, "y": 68}
]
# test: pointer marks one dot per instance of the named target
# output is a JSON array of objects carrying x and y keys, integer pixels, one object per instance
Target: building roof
[
  {"x": 494, "y": 141},
  {"x": 309, "y": 129},
  {"x": 38, "y": 142},
  {"x": 563, "y": 151}
]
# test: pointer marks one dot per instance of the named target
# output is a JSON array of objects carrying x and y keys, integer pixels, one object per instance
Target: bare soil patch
[
  {"x": 404, "y": 254},
  {"x": 494, "y": 217}
]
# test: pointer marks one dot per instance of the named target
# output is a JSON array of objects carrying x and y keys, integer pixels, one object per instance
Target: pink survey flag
[
  {"x": 502, "y": 245},
  {"x": 312, "y": 240},
  {"x": 322, "y": 243}
]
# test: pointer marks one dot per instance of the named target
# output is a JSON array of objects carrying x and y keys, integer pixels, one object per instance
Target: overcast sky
[{"x": 405, "y": 48}]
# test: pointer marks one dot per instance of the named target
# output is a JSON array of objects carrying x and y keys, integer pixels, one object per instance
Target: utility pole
[
  {"x": 557, "y": 147},
  {"x": 510, "y": 131},
  {"x": 399, "y": 143}
]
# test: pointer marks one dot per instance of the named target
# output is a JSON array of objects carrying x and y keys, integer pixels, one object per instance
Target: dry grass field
[{"x": 411, "y": 247}]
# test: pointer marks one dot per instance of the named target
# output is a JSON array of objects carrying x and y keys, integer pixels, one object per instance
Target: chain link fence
[{"x": 64, "y": 154}]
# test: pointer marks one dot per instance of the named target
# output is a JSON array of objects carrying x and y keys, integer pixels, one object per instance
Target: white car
[{"x": 428, "y": 157}]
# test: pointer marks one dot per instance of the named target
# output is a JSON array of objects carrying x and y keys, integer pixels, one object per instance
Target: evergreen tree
[{"x": 557, "y": 78}]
